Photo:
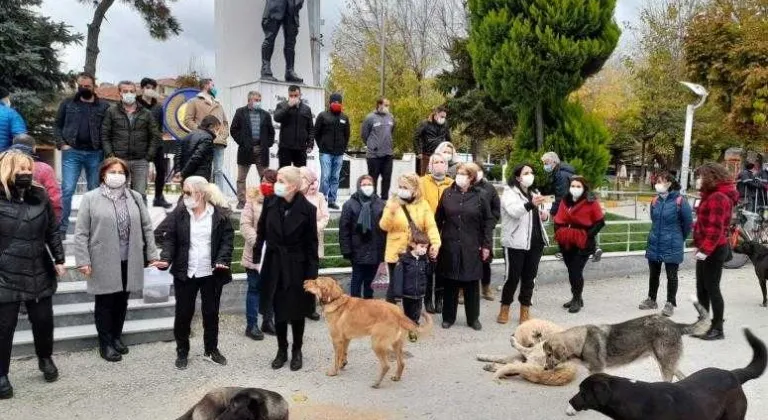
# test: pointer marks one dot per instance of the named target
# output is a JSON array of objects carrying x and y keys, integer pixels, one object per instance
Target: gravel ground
[{"x": 441, "y": 381}]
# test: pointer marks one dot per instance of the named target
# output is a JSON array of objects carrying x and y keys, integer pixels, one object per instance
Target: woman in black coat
[
  {"x": 288, "y": 226},
  {"x": 466, "y": 224},
  {"x": 28, "y": 232},
  {"x": 360, "y": 237},
  {"x": 197, "y": 241}
]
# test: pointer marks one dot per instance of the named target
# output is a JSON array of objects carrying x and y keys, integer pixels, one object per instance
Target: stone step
[
  {"x": 72, "y": 314},
  {"x": 70, "y": 292},
  {"x": 81, "y": 337}
]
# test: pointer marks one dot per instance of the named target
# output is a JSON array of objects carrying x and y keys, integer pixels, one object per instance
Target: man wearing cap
[
  {"x": 332, "y": 134},
  {"x": 11, "y": 122}
]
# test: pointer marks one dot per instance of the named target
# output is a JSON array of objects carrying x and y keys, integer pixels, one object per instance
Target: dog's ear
[
  {"x": 239, "y": 408},
  {"x": 601, "y": 390}
]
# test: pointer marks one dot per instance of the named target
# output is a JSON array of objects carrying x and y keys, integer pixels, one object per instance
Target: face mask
[
  {"x": 576, "y": 192},
  {"x": 548, "y": 167},
  {"x": 404, "y": 193},
  {"x": 114, "y": 180},
  {"x": 213, "y": 92},
  {"x": 256, "y": 104},
  {"x": 438, "y": 173},
  {"x": 280, "y": 189},
  {"x": 448, "y": 157},
  {"x": 7, "y": 102},
  {"x": 479, "y": 176},
  {"x": 190, "y": 203},
  {"x": 662, "y": 188},
  {"x": 526, "y": 180},
  {"x": 367, "y": 190},
  {"x": 385, "y": 110},
  {"x": 698, "y": 183},
  {"x": 129, "y": 98},
  {"x": 440, "y": 121},
  {"x": 22, "y": 181},
  {"x": 149, "y": 93},
  {"x": 462, "y": 181},
  {"x": 85, "y": 93},
  {"x": 266, "y": 189},
  {"x": 336, "y": 107}
]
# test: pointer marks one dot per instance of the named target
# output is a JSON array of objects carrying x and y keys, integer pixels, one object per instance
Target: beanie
[{"x": 335, "y": 97}]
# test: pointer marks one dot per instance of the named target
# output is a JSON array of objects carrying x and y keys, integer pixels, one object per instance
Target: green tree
[
  {"x": 156, "y": 14},
  {"x": 29, "y": 64}
]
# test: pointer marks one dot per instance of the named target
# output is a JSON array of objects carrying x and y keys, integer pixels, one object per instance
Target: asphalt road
[{"x": 441, "y": 381}]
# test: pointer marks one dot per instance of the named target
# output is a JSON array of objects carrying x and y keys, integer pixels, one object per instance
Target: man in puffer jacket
[{"x": 11, "y": 122}]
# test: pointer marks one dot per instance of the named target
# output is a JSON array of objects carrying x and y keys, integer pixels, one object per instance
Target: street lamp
[{"x": 702, "y": 93}]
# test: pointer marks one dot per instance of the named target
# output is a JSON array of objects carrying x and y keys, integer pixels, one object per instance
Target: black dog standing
[{"x": 758, "y": 254}]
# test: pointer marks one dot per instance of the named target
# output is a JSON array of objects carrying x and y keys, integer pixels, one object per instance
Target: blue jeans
[
  {"x": 362, "y": 277},
  {"x": 218, "y": 171},
  {"x": 330, "y": 169},
  {"x": 252, "y": 298},
  {"x": 73, "y": 162}
]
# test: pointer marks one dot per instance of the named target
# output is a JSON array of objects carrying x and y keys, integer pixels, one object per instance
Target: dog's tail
[
  {"x": 561, "y": 375},
  {"x": 756, "y": 367},
  {"x": 424, "y": 329},
  {"x": 701, "y": 323}
]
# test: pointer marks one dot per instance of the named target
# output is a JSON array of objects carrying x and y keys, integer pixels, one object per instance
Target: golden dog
[{"x": 350, "y": 317}]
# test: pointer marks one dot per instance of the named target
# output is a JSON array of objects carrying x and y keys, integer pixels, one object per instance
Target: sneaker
[
  {"x": 413, "y": 336},
  {"x": 597, "y": 255},
  {"x": 669, "y": 309},
  {"x": 333, "y": 206},
  {"x": 648, "y": 303},
  {"x": 216, "y": 357},
  {"x": 181, "y": 362}
]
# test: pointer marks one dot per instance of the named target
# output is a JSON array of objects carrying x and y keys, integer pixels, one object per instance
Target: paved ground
[{"x": 441, "y": 381}]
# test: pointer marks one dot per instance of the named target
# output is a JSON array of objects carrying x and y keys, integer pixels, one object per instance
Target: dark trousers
[
  {"x": 297, "y": 329},
  {"x": 362, "y": 278},
  {"x": 252, "y": 297},
  {"x": 471, "y": 300},
  {"x": 391, "y": 284},
  {"x": 434, "y": 282},
  {"x": 290, "y": 24},
  {"x": 40, "y": 313},
  {"x": 381, "y": 166},
  {"x": 186, "y": 295},
  {"x": 522, "y": 268},
  {"x": 412, "y": 308},
  {"x": 653, "y": 282},
  {"x": 486, "y": 280},
  {"x": 708, "y": 274},
  {"x": 110, "y": 310},
  {"x": 288, "y": 157},
  {"x": 161, "y": 171},
  {"x": 575, "y": 262}
]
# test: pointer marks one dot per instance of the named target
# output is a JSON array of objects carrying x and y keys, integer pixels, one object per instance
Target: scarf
[
  {"x": 119, "y": 199},
  {"x": 364, "y": 220}
]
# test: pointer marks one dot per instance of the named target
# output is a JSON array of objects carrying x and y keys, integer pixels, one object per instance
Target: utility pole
[{"x": 382, "y": 44}]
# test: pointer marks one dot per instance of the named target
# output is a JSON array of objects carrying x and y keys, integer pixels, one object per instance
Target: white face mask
[
  {"x": 114, "y": 180},
  {"x": 440, "y": 120},
  {"x": 698, "y": 183},
  {"x": 129, "y": 98},
  {"x": 281, "y": 189},
  {"x": 448, "y": 157},
  {"x": 479, "y": 176},
  {"x": 462, "y": 180},
  {"x": 367, "y": 190},
  {"x": 527, "y": 180},
  {"x": 190, "y": 203},
  {"x": 662, "y": 188},
  {"x": 576, "y": 192},
  {"x": 404, "y": 193},
  {"x": 385, "y": 110},
  {"x": 150, "y": 93}
]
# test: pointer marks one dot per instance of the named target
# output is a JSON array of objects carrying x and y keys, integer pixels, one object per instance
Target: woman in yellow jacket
[
  {"x": 432, "y": 186},
  {"x": 395, "y": 222}
]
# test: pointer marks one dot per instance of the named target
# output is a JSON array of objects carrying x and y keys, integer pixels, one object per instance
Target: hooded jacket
[
  {"x": 377, "y": 132},
  {"x": 713, "y": 217},
  {"x": 671, "y": 226},
  {"x": 453, "y": 165},
  {"x": 429, "y": 135},
  {"x": 432, "y": 189},
  {"x": 11, "y": 125}
]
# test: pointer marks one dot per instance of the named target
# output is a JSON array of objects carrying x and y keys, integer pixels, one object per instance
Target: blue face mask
[
  {"x": 213, "y": 92},
  {"x": 280, "y": 189},
  {"x": 548, "y": 168}
]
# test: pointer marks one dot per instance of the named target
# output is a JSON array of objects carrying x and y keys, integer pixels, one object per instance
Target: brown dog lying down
[
  {"x": 349, "y": 318},
  {"x": 236, "y": 403},
  {"x": 528, "y": 340}
]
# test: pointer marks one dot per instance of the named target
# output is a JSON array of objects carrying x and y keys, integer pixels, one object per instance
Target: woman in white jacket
[{"x": 523, "y": 238}]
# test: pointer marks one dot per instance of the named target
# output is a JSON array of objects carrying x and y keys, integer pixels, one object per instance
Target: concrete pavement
[{"x": 441, "y": 381}]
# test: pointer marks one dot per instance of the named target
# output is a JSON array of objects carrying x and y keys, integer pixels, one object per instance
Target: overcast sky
[{"x": 128, "y": 52}]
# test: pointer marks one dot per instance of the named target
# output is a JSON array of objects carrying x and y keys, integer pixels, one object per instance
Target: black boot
[
  {"x": 438, "y": 301},
  {"x": 6, "y": 390},
  {"x": 429, "y": 304},
  {"x": 254, "y": 333},
  {"x": 296, "y": 359},
  {"x": 281, "y": 358},
  {"x": 266, "y": 64},
  {"x": 268, "y": 326},
  {"x": 108, "y": 352},
  {"x": 568, "y": 304},
  {"x": 715, "y": 332},
  {"x": 160, "y": 202},
  {"x": 576, "y": 305},
  {"x": 50, "y": 372},
  {"x": 290, "y": 74},
  {"x": 120, "y": 346}
]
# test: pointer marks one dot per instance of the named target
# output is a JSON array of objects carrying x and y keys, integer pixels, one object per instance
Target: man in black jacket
[
  {"x": 149, "y": 99},
  {"x": 297, "y": 133},
  {"x": 254, "y": 134},
  {"x": 332, "y": 134},
  {"x": 430, "y": 134},
  {"x": 130, "y": 133},
  {"x": 194, "y": 153}
]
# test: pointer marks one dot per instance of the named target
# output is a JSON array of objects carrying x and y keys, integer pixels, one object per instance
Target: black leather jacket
[{"x": 194, "y": 155}]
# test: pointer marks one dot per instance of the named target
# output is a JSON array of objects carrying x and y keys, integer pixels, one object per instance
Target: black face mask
[
  {"x": 23, "y": 181},
  {"x": 85, "y": 93}
]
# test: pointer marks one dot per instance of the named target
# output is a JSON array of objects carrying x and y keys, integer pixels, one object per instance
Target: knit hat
[
  {"x": 4, "y": 93},
  {"x": 335, "y": 97}
]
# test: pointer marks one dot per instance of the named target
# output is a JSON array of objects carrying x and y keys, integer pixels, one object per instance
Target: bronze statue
[{"x": 278, "y": 13}]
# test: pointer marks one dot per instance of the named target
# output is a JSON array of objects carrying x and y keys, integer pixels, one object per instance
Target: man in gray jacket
[{"x": 376, "y": 131}]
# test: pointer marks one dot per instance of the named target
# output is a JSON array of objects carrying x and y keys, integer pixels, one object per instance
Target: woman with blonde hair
[
  {"x": 309, "y": 187},
  {"x": 198, "y": 239},
  {"x": 28, "y": 239},
  {"x": 405, "y": 211},
  {"x": 288, "y": 229},
  {"x": 113, "y": 244}
]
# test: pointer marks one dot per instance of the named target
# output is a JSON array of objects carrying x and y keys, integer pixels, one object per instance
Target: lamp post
[{"x": 685, "y": 169}]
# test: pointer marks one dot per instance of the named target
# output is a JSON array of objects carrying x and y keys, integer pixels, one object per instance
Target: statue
[{"x": 278, "y": 13}]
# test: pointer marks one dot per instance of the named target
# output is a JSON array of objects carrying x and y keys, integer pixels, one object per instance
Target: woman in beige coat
[{"x": 114, "y": 241}]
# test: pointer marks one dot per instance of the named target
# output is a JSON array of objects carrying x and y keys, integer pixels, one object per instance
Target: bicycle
[{"x": 747, "y": 225}]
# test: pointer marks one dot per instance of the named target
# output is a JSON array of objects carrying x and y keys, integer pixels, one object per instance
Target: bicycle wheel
[{"x": 738, "y": 260}]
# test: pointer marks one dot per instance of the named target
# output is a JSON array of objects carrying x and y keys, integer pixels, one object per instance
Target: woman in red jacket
[
  {"x": 710, "y": 237},
  {"x": 577, "y": 222}
]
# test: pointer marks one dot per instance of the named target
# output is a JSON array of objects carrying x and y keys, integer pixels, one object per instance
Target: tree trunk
[
  {"x": 642, "y": 159},
  {"x": 539, "y": 126},
  {"x": 94, "y": 29},
  {"x": 474, "y": 149}
]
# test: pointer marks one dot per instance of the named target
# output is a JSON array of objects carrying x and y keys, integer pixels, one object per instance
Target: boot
[
  {"x": 568, "y": 304},
  {"x": 50, "y": 372},
  {"x": 292, "y": 77},
  {"x": 6, "y": 390},
  {"x": 266, "y": 62},
  {"x": 254, "y": 333},
  {"x": 503, "y": 317},
  {"x": 488, "y": 293},
  {"x": 429, "y": 304},
  {"x": 120, "y": 346},
  {"x": 576, "y": 305},
  {"x": 108, "y": 352},
  {"x": 296, "y": 359},
  {"x": 281, "y": 358},
  {"x": 438, "y": 301},
  {"x": 525, "y": 313},
  {"x": 268, "y": 326},
  {"x": 290, "y": 74},
  {"x": 715, "y": 332}
]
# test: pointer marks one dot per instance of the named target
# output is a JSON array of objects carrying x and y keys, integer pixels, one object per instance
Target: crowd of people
[{"x": 435, "y": 232}]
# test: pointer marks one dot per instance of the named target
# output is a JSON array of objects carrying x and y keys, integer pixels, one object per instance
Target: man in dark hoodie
[
  {"x": 150, "y": 99},
  {"x": 332, "y": 136}
]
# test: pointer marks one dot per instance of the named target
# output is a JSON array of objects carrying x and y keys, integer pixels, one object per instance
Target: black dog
[
  {"x": 235, "y": 403},
  {"x": 758, "y": 254},
  {"x": 709, "y": 394}
]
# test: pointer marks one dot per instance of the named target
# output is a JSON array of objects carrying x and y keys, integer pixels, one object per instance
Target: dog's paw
[
  {"x": 344, "y": 364},
  {"x": 377, "y": 385},
  {"x": 490, "y": 367},
  {"x": 396, "y": 378},
  {"x": 570, "y": 410},
  {"x": 332, "y": 372}
]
